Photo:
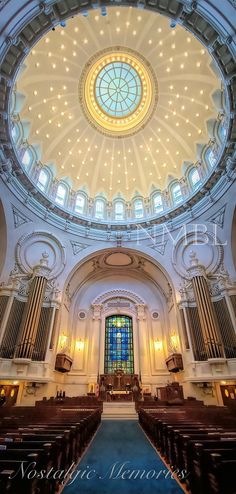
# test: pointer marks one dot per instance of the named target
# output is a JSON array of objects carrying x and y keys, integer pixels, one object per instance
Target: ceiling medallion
[{"x": 118, "y": 91}]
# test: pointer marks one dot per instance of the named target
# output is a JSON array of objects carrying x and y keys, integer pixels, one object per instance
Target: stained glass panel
[{"x": 119, "y": 344}]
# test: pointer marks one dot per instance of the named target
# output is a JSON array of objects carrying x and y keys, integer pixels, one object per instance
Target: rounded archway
[{"x": 110, "y": 284}]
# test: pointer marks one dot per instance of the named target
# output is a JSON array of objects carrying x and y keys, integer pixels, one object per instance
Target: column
[
  {"x": 30, "y": 320},
  {"x": 141, "y": 348},
  {"x": 95, "y": 350},
  {"x": 207, "y": 316}
]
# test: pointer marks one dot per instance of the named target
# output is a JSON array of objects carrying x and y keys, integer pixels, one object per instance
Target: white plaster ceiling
[{"x": 101, "y": 164}]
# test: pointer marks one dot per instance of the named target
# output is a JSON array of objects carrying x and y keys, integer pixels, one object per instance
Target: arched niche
[{"x": 112, "y": 282}]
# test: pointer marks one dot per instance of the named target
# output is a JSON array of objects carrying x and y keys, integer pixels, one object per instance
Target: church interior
[{"x": 118, "y": 246}]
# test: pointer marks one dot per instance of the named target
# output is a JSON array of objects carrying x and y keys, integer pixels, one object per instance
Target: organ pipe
[{"x": 208, "y": 320}]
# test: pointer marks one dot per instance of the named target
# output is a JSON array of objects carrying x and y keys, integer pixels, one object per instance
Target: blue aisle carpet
[{"x": 121, "y": 460}]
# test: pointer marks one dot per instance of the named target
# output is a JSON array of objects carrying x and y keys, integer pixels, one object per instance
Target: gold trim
[{"x": 101, "y": 120}]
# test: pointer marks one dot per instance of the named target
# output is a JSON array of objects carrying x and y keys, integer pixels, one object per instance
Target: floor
[{"x": 121, "y": 460}]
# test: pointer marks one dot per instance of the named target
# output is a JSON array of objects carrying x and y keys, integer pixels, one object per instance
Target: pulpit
[{"x": 63, "y": 363}]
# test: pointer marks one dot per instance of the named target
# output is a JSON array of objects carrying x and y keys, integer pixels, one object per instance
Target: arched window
[
  {"x": 176, "y": 194},
  {"x": 15, "y": 132},
  {"x": 61, "y": 194},
  {"x": 119, "y": 353},
  {"x": 157, "y": 203},
  {"x": 222, "y": 131},
  {"x": 79, "y": 204},
  {"x": 211, "y": 157},
  {"x": 27, "y": 158},
  {"x": 138, "y": 208},
  {"x": 99, "y": 209},
  {"x": 194, "y": 178},
  {"x": 43, "y": 180},
  {"x": 119, "y": 211}
]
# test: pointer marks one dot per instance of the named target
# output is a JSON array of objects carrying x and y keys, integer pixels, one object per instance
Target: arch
[
  {"x": 160, "y": 279},
  {"x": 104, "y": 297}
]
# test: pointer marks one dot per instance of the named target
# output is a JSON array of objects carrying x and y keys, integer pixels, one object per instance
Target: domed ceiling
[{"x": 117, "y": 103}]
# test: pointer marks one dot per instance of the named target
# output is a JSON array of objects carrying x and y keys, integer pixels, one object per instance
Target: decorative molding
[
  {"x": 219, "y": 217},
  {"x": 119, "y": 293},
  {"x": 140, "y": 116},
  {"x": 160, "y": 248},
  {"x": 82, "y": 315},
  {"x": 141, "y": 312},
  {"x": 19, "y": 217},
  {"x": 155, "y": 315},
  {"x": 97, "y": 309},
  {"x": 194, "y": 240},
  {"x": 29, "y": 249},
  {"x": 77, "y": 247}
]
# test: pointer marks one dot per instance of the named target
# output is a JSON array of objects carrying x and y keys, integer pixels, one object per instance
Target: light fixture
[
  {"x": 79, "y": 345},
  {"x": 157, "y": 344},
  {"x": 62, "y": 341},
  {"x": 174, "y": 342}
]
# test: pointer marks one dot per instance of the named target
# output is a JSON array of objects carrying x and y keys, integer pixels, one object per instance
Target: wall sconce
[
  {"x": 174, "y": 342},
  {"x": 62, "y": 341},
  {"x": 79, "y": 345},
  {"x": 158, "y": 345}
]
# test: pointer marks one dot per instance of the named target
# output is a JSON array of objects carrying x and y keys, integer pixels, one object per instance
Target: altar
[
  {"x": 119, "y": 386},
  {"x": 119, "y": 395}
]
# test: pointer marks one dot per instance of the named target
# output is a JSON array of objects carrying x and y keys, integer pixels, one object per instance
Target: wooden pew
[{"x": 56, "y": 436}]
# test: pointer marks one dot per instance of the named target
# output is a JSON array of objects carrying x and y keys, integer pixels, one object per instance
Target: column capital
[
  {"x": 141, "y": 311},
  {"x": 97, "y": 309}
]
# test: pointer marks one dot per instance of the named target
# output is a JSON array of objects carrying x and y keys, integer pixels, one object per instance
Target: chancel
[{"x": 117, "y": 247}]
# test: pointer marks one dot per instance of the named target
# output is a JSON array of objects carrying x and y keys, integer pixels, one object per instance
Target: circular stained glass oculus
[
  {"x": 118, "y": 89},
  {"x": 118, "y": 92}
]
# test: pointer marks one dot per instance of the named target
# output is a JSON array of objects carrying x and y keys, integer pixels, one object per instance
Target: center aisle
[{"x": 121, "y": 460}]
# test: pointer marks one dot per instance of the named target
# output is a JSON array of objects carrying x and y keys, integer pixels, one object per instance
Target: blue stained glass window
[
  {"x": 119, "y": 344},
  {"x": 118, "y": 89}
]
